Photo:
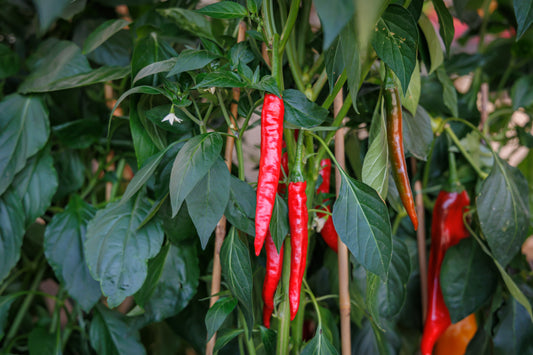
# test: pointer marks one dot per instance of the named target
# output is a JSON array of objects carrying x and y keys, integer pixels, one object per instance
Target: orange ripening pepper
[{"x": 455, "y": 339}]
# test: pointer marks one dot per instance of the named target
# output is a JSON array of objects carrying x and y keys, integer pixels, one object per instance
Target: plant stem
[
  {"x": 467, "y": 156},
  {"x": 249, "y": 341},
  {"x": 268, "y": 19},
  {"x": 289, "y": 25},
  {"x": 319, "y": 84},
  {"x": 296, "y": 71},
  {"x": 338, "y": 86},
  {"x": 282, "y": 346},
  {"x": 27, "y": 301}
]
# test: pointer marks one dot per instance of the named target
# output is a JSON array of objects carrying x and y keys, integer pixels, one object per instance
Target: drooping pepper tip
[{"x": 267, "y": 314}]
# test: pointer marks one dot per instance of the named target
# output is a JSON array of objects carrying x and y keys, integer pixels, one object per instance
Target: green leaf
[
  {"x": 208, "y": 199},
  {"x": 417, "y": 133},
  {"x": 171, "y": 283},
  {"x": 155, "y": 68},
  {"x": 148, "y": 50},
  {"x": 446, "y": 28},
  {"x": 334, "y": 15},
  {"x": 140, "y": 90},
  {"x": 395, "y": 42},
  {"x": 334, "y": 63},
  {"x": 9, "y": 62},
  {"x": 24, "y": 130},
  {"x": 49, "y": 11},
  {"x": 351, "y": 57},
  {"x": 467, "y": 279},
  {"x": 102, "y": 33},
  {"x": 63, "y": 246},
  {"x": 387, "y": 297},
  {"x": 117, "y": 251},
  {"x": 223, "y": 79},
  {"x": 512, "y": 335},
  {"x": 225, "y": 337},
  {"x": 361, "y": 220},
  {"x": 5, "y": 306},
  {"x": 521, "y": 93},
  {"x": 60, "y": 59},
  {"x": 79, "y": 134},
  {"x": 449, "y": 92},
  {"x": 523, "y": 10},
  {"x": 367, "y": 14},
  {"x": 224, "y": 10},
  {"x": 319, "y": 345},
  {"x": 410, "y": 99},
  {"x": 190, "y": 21},
  {"x": 237, "y": 271},
  {"x": 526, "y": 167},
  {"x": 142, "y": 176},
  {"x": 509, "y": 283},
  {"x": 191, "y": 164},
  {"x": 35, "y": 185},
  {"x": 11, "y": 231},
  {"x": 217, "y": 314},
  {"x": 301, "y": 112},
  {"x": 100, "y": 75},
  {"x": 183, "y": 129},
  {"x": 279, "y": 223},
  {"x": 142, "y": 141},
  {"x": 375, "y": 166},
  {"x": 268, "y": 338},
  {"x": 436, "y": 55},
  {"x": 191, "y": 59},
  {"x": 240, "y": 210},
  {"x": 41, "y": 341},
  {"x": 110, "y": 334},
  {"x": 503, "y": 210}
]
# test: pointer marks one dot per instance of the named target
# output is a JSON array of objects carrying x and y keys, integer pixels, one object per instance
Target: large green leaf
[
  {"x": 301, "y": 112},
  {"x": 223, "y": 79},
  {"x": 103, "y": 33},
  {"x": 523, "y": 10},
  {"x": 110, "y": 334},
  {"x": 191, "y": 164},
  {"x": 361, "y": 219},
  {"x": 41, "y": 341},
  {"x": 24, "y": 130},
  {"x": 446, "y": 27},
  {"x": 468, "y": 279},
  {"x": 208, "y": 200},
  {"x": 279, "y": 223},
  {"x": 11, "y": 231},
  {"x": 63, "y": 246},
  {"x": 334, "y": 15},
  {"x": 144, "y": 146},
  {"x": 35, "y": 185},
  {"x": 191, "y": 59},
  {"x": 521, "y": 93},
  {"x": 503, "y": 210},
  {"x": 351, "y": 56},
  {"x": 9, "y": 62},
  {"x": 375, "y": 171},
  {"x": 334, "y": 63},
  {"x": 117, "y": 251},
  {"x": 387, "y": 297},
  {"x": 155, "y": 68},
  {"x": 225, "y": 337},
  {"x": 417, "y": 133},
  {"x": 237, "y": 271},
  {"x": 395, "y": 42},
  {"x": 171, "y": 283},
  {"x": 411, "y": 97},
  {"x": 367, "y": 14},
  {"x": 319, "y": 345},
  {"x": 449, "y": 92},
  {"x": 100, "y": 75},
  {"x": 218, "y": 313},
  {"x": 224, "y": 10},
  {"x": 190, "y": 21},
  {"x": 49, "y": 11},
  {"x": 240, "y": 210},
  {"x": 513, "y": 334},
  {"x": 55, "y": 60}
]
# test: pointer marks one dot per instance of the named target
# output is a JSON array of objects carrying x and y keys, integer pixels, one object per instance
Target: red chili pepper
[
  {"x": 393, "y": 109},
  {"x": 269, "y": 163},
  {"x": 447, "y": 229},
  {"x": 274, "y": 264},
  {"x": 298, "y": 219},
  {"x": 328, "y": 232}
]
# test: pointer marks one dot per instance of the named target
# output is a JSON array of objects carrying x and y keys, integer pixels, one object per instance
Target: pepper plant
[{"x": 133, "y": 215}]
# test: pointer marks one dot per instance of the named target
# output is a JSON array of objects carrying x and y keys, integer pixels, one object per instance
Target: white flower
[{"x": 171, "y": 118}]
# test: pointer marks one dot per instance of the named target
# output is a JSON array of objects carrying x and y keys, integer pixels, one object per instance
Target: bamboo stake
[
  {"x": 343, "y": 261},
  {"x": 220, "y": 232}
]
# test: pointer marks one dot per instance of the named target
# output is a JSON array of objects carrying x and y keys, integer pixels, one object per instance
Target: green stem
[
  {"x": 27, "y": 301},
  {"x": 296, "y": 71},
  {"x": 397, "y": 221},
  {"x": 225, "y": 113},
  {"x": 319, "y": 84},
  {"x": 194, "y": 119},
  {"x": 277, "y": 67},
  {"x": 314, "y": 301},
  {"x": 454, "y": 180},
  {"x": 249, "y": 341},
  {"x": 282, "y": 346},
  {"x": 289, "y": 25},
  {"x": 240, "y": 157},
  {"x": 316, "y": 66},
  {"x": 467, "y": 156},
  {"x": 268, "y": 19},
  {"x": 338, "y": 86}
]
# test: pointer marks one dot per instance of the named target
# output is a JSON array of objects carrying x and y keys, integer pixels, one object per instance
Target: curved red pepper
[
  {"x": 274, "y": 265},
  {"x": 269, "y": 163},
  {"x": 393, "y": 109},
  {"x": 298, "y": 218},
  {"x": 447, "y": 229},
  {"x": 328, "y": 232}
]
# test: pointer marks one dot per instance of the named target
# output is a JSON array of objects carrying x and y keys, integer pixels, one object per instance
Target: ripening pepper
[
  {"x": 274, "y": 264},
  {"x": 328, "y": 232},
  {"x": 455, "y": 339}
]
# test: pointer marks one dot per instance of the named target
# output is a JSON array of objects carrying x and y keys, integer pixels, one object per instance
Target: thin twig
[
  {"x": 343, "y": 261},
  {"x": 220, "y": 232}
]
